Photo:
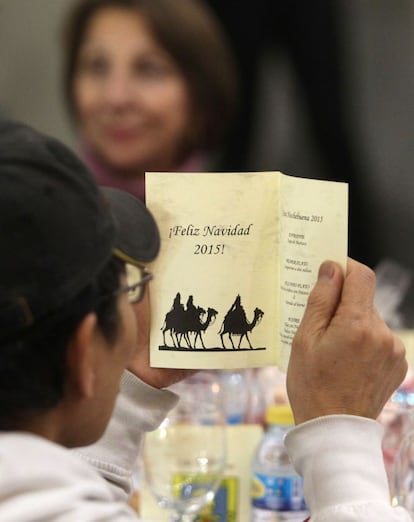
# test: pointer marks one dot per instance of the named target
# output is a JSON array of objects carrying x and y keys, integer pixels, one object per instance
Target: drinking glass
[
  {"x": 403, "y": 475},
  {"x": 184, "y": 459}
]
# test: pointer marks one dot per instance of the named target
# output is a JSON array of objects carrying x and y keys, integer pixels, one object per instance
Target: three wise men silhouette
[
  {"x": 235, "y": 323},
  {"x": 181, "y": 322},
  {"x": 189, "y": 322}
]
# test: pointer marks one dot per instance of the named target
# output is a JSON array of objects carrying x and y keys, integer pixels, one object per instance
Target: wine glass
[{"x": 184, "y": 459}]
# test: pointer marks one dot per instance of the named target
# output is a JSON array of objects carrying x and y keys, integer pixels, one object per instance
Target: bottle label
[
  {"x": 277, "y": 493},
  {"x": 223, "y": 507}
]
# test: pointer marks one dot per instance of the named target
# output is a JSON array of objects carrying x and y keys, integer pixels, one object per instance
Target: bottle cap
[{"x": 280, "y": 414}]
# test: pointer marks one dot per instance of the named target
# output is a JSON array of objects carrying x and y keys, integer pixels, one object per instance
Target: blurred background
[
  {"x": 376, "y": 71},
  {"x": 358, "y": 57}
]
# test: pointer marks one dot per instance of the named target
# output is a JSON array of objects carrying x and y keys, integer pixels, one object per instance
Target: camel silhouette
[
  {"x": 179, "y": 322},
  {"x": 236, "y": 323},
  {"x": 200, "y": 327}
]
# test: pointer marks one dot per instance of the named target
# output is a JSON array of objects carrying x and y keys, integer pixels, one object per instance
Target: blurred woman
[{"x": 150, "y": 85}]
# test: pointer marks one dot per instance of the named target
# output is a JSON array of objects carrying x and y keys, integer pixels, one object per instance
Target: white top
[
  {"x": 341, "y": 461},
  {"x": 339, "y": 456},
  {"x": 43, "y": 482}
]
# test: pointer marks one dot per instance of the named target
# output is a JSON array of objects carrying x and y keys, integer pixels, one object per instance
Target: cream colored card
[{"x": 239, "y": 255}]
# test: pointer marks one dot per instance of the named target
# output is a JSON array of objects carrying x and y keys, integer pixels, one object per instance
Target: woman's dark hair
[
  {"x": 193, "y": 37},
  {"x": 33, "y": 366}
]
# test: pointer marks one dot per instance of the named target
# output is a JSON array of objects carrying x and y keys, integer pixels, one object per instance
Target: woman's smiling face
[{"x": 132, "y": 103}]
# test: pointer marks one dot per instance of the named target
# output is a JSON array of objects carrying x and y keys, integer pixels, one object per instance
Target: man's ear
[{"x": 81, "y": 358}]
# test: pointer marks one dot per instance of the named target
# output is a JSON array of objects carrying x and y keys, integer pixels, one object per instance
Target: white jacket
[
  {"x": 340, "y": 459},
  {"x": 339, "y": 456},
  {"x": 43, "y": 482}
]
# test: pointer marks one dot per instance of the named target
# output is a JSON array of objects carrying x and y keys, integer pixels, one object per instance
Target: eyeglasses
[{"x": 137, "y": 277}]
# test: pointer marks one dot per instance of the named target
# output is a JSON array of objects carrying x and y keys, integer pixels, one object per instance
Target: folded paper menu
[{"x": 239, "y": 255}]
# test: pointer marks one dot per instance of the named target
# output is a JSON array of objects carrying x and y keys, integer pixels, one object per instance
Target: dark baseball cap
[{"x": 57, "y": 227}]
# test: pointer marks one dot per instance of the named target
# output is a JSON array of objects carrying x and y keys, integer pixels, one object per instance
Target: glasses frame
[{"x": 133, "y": 298}]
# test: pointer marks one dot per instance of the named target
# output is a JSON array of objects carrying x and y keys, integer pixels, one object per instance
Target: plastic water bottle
[
  {"x": 277, "y": 490},
  {"x": 256, "y": 409},
  {"x": 236, "y": 395}
]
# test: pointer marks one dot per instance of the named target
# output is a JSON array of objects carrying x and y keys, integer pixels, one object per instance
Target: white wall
[{"x": 30, "y": 47}]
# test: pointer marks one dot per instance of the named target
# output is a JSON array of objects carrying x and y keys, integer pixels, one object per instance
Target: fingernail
[{"x": 326, "y": 270}]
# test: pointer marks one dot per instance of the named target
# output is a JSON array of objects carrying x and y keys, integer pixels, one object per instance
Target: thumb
[{"x": 324, "y": 298}]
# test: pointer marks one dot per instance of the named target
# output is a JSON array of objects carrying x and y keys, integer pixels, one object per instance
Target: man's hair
[{"x": 33, "y": 365}]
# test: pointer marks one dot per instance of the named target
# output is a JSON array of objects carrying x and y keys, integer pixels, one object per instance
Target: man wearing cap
[
  {"x": 74, "y": 366},
  {"x": 67, "y": 333}
]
